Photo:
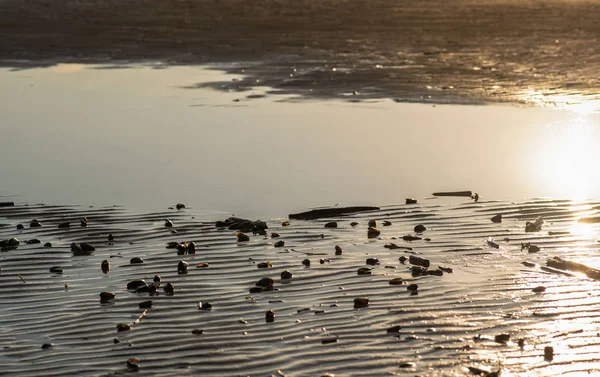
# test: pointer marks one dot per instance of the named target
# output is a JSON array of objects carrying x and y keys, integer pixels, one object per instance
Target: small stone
[
  {"x": 145, "y": 304},
  {"x": 265, "y": 283},
  {"x": 285, "y": 223},
  {"x": 447, "y": 270},
  {"x": 548, "y": 353},
  {"x": 182, "y": 267},
  {"x": 539, "y": 289},
  {"x": 387, "y": 223},
  {"x": 156, "y": 278},
  {"x": 123, "y": 327},
  {"x": 87, "y": 247},
  {"x": 306, "y": 262},
  {"x": 35, "y": 224},
  {"x": 105, "y": 266},
  {"x": 64, "y": 225},
  {"x": 33, "y": 241},
  {"x": 274, "y": 235},
  {"x": 411, "y": 201},
  {"x": 413, "y": 259},
  {"x": 322, "y": 261},
  {"x": 403, "y": 259},
  {"x": 502, "y": 338},
  {"x": 197, "y": 331},
  {"x": 133, "y": 364},
  {"x": 111, "y": 237},
  {"x": 407, "y": 365},
  {"x": 435, "y": 272},
  {"x": 280, "y": 243},
  {"x": 116, "y": 341},
  {"x": 353, "y": 224},
  {"x": 47, "y": 244},
  {"x": 270, "y": 316},
  {"x": 202, "y": 265},
  {"x": 331, "y": 224},
  {"x": 373, "y": 232},
  {"x": 47, "y": 345},
  {"x": 13, "y": 242},
  {"x": 329, "y": 341},
  {"x": 242, "y": 237},
  {"x": 136, "y": 260},
  {"x": 412, "y": 287},
  {"x": 372, "y": 261},
  {"x": 364, "y": 271},
  {"x": 497, "y": 218},
  {"x": 418, "y": 271},
  {"x": 56, "y": 270},
  {"x": 191, "y": 247},
  {"x": 180, "y": 206},
  {"x": 361, "y": 302},
  {"x": 168, "y": 223},
  {"x": 372, "y": 223},
  {"x": 169, "y": 289},
  {"x": 20, "y": 226},
  {"x": 106, "y": 296},
  {"x": 338, "y": 250},
  {"x": 286, "y": 275},
  {"x": 420, "y": 228},
  {"x": 83, "y": 221},
  {"x": 256, "y": 289},
  {"x": 521, "y": 343},
  {"x": 396, "y": 281},
  {"x": 135, "y": 284},
  {"x": 410, "y": 238},
  {"x": 204, "y": 305},
  {"x": 393, "y": 329}
]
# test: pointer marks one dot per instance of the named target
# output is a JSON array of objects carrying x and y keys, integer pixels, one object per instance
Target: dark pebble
[
  {"x": 86, "y": 247},
  {"x": 539, "y": 289},
  {"x": 169, "y": 288},
  {"x": 338, "y": 250},
  {"x": 191, "y": 248},
  {"x": 197, "y": 331},
  {"x": 409, "y": 238},
  {"x": 286, "y": 274},
  {"x": 331, "y": 224},
  {"x": 393, "y": 329},
  {"x": 136, "y": 260},
  {"x": 354, "y": 223},
  {"x": 279, "y": 243},
  {"x": 548, "y": 353},
  {"x": 265, "y": 265},
  {"x": 373, "y": 232},
  {"x": 111, "y": 237},
  {"x": 204, "y": 305},
  {"x": 306, "y": 262},
  {"x": 256, "y": 289},
  {"x": 56, "y": 270},
  {"x": 411, "y": 201},
  {"x": 403, "y": 259},
  {"x": 361, "y": 302},
  {"x": 412, "y": 287},
  {"x": 242, "y": 237},
  {"x": 497, "y": 218},
  {"x": 180, "y": 206},
  {"x": 502, "y": 338},
  {"x": 420, "y": 228},
  {"x": 413, "y": 259},
  {"x": 274, "y": 235},
  {"x": 285, "y": 223},
  {"x": 168, "y": 223},
  {"x": 396, "y": 281},
  {"x": 47, "y": 345},
  {"x": 35, "y": 224},
  {"x": 145, "y": 304},
  {"x": 364, "y": 271},
  {"x": 123, "y": 327},
  {"x": 521, "y": 343},
  {"x": 387, "y": 223},
  {"x": 33, "y": 241},
  {"x": 105, "y": 266},
  {"x": 64, "y": 225},
  {"x": 83, "y": 221},
  {"x": 47, "y": 244},
  {"x": 407, "y": 365},
  {"x": 133, "y": 285},
  {"x": 143, "y": 289},
  {"x": 418, "y": 271},
  {"x": 182, "y": 267},
  {"x": 265, "y": 282},
  {"x": 435, "y": 272},
  {"x": 447, "y": 270},
  {"x": 372, "y": 261},
  {"x": 106, "y": 296},
  {"x": 20, "y": 226},
  {"x": 329, "y": 341},
  {"x": 270, "y": 316}
]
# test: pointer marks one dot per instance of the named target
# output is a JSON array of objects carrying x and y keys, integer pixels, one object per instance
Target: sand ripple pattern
[{"x": 449, "y": 326}]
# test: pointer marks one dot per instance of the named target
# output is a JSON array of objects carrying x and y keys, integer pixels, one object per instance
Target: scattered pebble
[
  {"x": 372, "y": 261},
  {"x": 411, "y": 201},
  {"x": 168, "y": 223},
  {"x": 123, "y": 327},
  {"x": 502, "y": 338},
  {"x": 64, "y": 225},
  {"x": 539, "y": 289},
  {"x": 182, "y": 267},
  {"x": 497, "y": 218},
  {"x": 361, "y": 302},
  {"x": 242, "y": 237},
  {"x": 105, "y": 266},
  {"x": 420, "y": 228},
  {"x": 286, "y": 275},
  {"x": 548, "y": 353},
  {"x": 269, "y": 316},
  {"x": 331, "y": 224},
  {"x": 197, "y": 331},
  {"x": 338, "y": 250},
  {"x": 136, "y": 260},
  {"x": 373, "y": 232},
  {"x": 306, "y": 262},
  {"x": 280, "y": 243},
  {"x": 47, "y": 345},
  {"x": 364, "y": 271},
  {"x": 396, "y": 281},
  {"x": 106, "y": 296},
  {"x": 204, "y": 305},
  {"x": 145, "y": 304}
]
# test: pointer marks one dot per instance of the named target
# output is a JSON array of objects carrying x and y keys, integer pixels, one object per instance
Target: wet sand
[
  {"x": 449, "y": 326},
  {"x": 463, "y": 51}
]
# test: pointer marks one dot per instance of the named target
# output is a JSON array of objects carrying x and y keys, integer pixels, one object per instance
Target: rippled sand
[
  {"x": 540, "y": 52},
  {"x": 449, "y": 326}
]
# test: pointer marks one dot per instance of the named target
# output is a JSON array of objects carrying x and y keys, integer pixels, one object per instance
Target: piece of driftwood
[
  {"x": 589, "y": 220},
  {"x": 330, "y": 212},
  {"x": 454, "y": 193},
  {"x": 7, "y": 204},
  {"x": 563, "y": 264}
]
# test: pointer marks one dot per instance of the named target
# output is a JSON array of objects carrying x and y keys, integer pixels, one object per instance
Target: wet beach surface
[
  {"x": 481, "y": 312},
  {"x": 539, "y": 52}
]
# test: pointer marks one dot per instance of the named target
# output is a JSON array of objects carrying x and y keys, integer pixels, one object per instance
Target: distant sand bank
[{"x": 536, "y": 52}]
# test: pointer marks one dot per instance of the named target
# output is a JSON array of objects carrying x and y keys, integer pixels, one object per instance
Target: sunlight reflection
[
  {"x": 569, "y": 159},
  {"x": 67, "y": 68},
  {"x": 586, "y": 231}
]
